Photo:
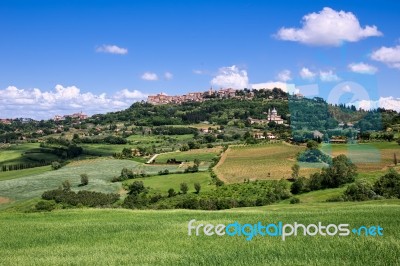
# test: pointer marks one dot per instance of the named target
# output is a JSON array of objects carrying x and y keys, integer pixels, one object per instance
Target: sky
[{"x": 62, "y": 57}]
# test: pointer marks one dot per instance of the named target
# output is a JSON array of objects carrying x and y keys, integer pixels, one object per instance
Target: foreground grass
[{"x": 104, "y": 237}]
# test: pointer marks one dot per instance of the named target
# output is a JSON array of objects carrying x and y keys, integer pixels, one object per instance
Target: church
[{"x": 273, "y": 116}]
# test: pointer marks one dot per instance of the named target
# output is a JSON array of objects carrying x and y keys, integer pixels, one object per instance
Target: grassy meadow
[
  {"x": 162, "y": 183},
  {"x": 205, "y": 155},
  {"x": 117, "y": 237}
]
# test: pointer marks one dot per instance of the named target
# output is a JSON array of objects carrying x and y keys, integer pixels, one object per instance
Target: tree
[
  {"x": 171, "y": 192},
  {"x": 184, "y": 188},
  {"x": 394, "y": 159},
  {"x": 295, "y": 171},
  {"x": 388, "y": 185},
  {"x": 341, "y": 172},
  {"x": 136, "y": 187},
  {"x": 298, "y": 186},
  {"x": 84, "y": 179},
  {"x": 312, "y": 144},
  {"x": 197, "y": 187},
  {"x": 66, "y": 185},
  {"x": 197, "y": 162}
]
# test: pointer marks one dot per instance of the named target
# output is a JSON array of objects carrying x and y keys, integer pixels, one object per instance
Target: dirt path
[
  {"x": 152, "y": 158},
  {"x": 221, "y": 161}
]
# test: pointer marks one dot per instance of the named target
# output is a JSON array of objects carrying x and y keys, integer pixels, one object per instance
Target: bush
[
  {"x": 360, "y": 191},
  {"x": 84, "y": 179},
  {"x": 294, "y": 200},
  {"x": 55, "y": 165},
  {"x": 171, "y": 192},
  {"x": 136, "y": 187},
  {"x": 197, "y": 187},
  {"x": 83, "y": 197},
  {"x": 66, "y": 185},
  {"x": 299, "y": 186},
  {"x": 388, "y": 185},
  {"x": 45, "y": 205},
  {"x": 184, "y": 188}
]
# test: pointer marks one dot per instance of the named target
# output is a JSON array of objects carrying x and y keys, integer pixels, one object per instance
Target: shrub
[
  {"x": 294, "y": 200},
  {"x": 388, "y": 185},
  {"x": 136, "y": 187},
  {"x": 45, "y": 205},
  {"x": 84, "y": 179},
  {"x": 197, "y": 187},
  {"x": 66, "y": 185},
  {"x": 171, "y": 192},
  {"x": 359, "y": 191},
  {"x": 299, "y": 186},
  {"x": 184, "y": 188},
  {"x": 55, "y": 165}
]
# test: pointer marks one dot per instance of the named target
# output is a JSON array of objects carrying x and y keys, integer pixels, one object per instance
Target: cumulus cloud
[
  {"x": 111, "y": 49},
  {"x": 273, "y": 84},
  {"x": 284, "y": 75},
  {"x": 362, "y": 68},
  {"x": 38, "y": 104},
  {"x": 168, "y": 75},
  {"x": 388, "y": 55},
  {"x": 383, "y": 102},
  {"x": 305, "y": 73},
  {"x": 328, "y": 28},
  {"x": 328, "y": 76},
  {"x": 231, "y": 77},
  {"x": 149, "y": 76}
]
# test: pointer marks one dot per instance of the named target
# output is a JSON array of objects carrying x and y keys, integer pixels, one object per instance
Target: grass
[
  {"x": 162, "y": 183},
  {"x": 24, "y": 153},
  {"x": 110, "y": 237},
  {"x": 24, "y": 173},
  {"x": 28, "y": 184},
  {"x": 204, "y": 155},
  {"x": 256, "y": 161}
]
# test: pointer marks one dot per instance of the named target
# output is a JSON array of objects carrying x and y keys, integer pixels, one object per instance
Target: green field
[
  {"x": 162, "y": 183},
  {"x": 32, "y": 184},
  {"x": 24, "y": 153},
  {"x": 204, "y": 155},
  {"x": 267, "y": 161},
  {"x": 117, "y": 237}
]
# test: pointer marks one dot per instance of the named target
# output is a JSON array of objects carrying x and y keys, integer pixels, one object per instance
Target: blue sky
[{"x": 98, "y": 56}]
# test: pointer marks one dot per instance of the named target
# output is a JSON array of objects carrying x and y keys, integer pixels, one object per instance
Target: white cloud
[
  {"x": 39, "y": 104},
  {"x": 273, "y": 84},
  {"x": 383, "y": 102},
  {"x": 284, "y": 75},
  {"x": 328, "y": 76},
  {"x": 328, "y": 28},
  {"x": 149, "y": 76},
  {"x": 111, "y": 49},
  {"x": 305, "y": 73},
  {"x": 346, "y": 88},
  {"x": 388, "y": 55},
  {"x": 199, "y": 72},
  {"x": 168, "y": 75},
  {"x": 231, "y": 77},
  {"x": 362, "y": 68}
]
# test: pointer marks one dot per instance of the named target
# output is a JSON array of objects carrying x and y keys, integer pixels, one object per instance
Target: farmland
[
  {"x": 268, "y": 161},
  {"x": 100, "y": 172},
  {"x": 162, "y": 183},
  {"x": 367, "y": 156},
  {"x": 205, "y": 155},
  {"x": 104, "y": 236}
]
